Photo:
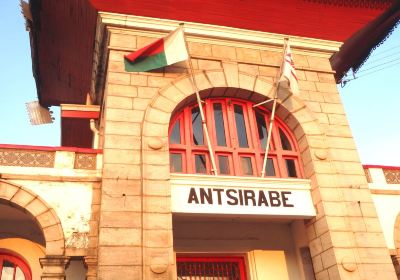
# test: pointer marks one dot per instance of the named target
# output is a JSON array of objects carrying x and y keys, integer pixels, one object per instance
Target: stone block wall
[{"x": 135, "y": 222}]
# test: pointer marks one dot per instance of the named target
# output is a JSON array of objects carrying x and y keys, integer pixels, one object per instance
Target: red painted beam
[
  {"x": 80, "y": 114},
  {"x": 366, "y": 166}
]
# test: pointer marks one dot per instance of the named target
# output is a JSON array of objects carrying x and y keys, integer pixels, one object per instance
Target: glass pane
[
  {"x": 219, "y": 124},
  {"x": 7, "y": 272},
  {"x": 291, "y": 168},
  {"x": 262, "y": 130},
  {"x": 175, "y": 137},
  {"x": 197, "y": 127},
  {"x": 285, "y": 141},
  {"x": 200, "y": 163},
  {"x": 175, "y": 161},
  {"x": 270, "y": 169},
  {"x": 19, "y": 275},
  {"x": 247, "y": 168},
  {"x": 240, "y": 126},
  {"x": 223, "y": 162}
]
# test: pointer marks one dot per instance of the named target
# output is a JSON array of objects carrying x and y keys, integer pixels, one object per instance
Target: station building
[{"x": 132, "y": 192}]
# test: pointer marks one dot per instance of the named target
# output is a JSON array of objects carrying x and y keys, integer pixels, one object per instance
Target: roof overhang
[{"x": 63, "y": 32}]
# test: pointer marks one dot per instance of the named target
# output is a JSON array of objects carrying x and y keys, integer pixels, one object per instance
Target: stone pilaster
[{"x": 53, "y": 267}]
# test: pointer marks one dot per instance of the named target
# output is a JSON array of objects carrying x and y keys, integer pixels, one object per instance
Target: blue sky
[{"x": 372, "y": 102}]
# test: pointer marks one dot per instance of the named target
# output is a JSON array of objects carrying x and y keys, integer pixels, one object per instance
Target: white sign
[{"x": 266, "y": 197}]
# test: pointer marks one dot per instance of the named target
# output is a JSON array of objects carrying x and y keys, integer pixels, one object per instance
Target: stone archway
[
  {"x": 53, "y": 265},
  {"x": 43, "y": 213},
  {"x": 291, "y": 109},
  {"x": 158, "y": 114}
]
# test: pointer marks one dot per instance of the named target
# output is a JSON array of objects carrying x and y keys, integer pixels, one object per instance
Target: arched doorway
[
  {"x": 30, "y": 228},
  {"x": 13, "y": 266}
]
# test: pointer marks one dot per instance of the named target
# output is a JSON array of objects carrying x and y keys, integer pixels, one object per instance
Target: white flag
[{"x": 289, "y": 72}]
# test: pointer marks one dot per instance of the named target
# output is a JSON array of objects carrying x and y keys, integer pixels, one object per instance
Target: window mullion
[
  {"x": 233, "y": 137},
  {"x": 188, "y": 139},
  {"x": 234, "y": 114},
  {"x": 279, "y": 151}
]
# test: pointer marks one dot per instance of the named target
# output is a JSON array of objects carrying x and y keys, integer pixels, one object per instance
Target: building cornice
[{"x": 214, "y": 31}]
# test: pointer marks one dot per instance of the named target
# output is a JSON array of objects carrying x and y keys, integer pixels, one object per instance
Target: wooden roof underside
[{"x": 63, "y": 31}]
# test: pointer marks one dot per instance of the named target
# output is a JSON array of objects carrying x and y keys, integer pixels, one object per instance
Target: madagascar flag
[{"x": 163, "y": 52}]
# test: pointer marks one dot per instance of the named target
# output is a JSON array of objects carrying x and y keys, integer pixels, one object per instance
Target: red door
[{"x": 211, "y": 268}]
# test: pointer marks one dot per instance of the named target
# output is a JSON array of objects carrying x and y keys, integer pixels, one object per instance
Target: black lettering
[
  {"x": 249, "y": 195},
  {"x": 206, "y": 195},
  {"x": 285, "y": 199},
  {"x": 233, "y": 200},
  {"x": 193, "y": 196},
  {"x": 219, "y": 191},
  {"x": 262, "y": 199},
  {"x": 240, "y": 197},
  {"x": 274, "y": 199}
]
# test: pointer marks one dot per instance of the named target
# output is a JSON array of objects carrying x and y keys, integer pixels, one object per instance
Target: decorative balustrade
[
  {"x": 26, "y": 158},
  {"x": 382, "y": 174},
  {"x": 48, "y": 157},
  {"x": 392, "y": 175}
]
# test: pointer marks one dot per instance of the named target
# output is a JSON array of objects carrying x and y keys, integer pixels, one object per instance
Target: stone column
[
  {"x": 53, "y": 267},
  {"x": 91, "y": 263}
]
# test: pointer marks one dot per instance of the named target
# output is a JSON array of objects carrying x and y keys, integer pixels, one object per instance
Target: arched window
[
  {"x": 13, "y": 267},
  {"x": 238, "y": 134}
]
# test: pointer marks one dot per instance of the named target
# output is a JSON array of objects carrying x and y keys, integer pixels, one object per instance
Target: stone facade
[
  {"x": 122, "y": 221},
  {"x": 135, "y": 233}
]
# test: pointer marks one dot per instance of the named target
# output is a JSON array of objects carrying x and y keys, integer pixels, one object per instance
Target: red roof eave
[{"x": 64, "y": 31}]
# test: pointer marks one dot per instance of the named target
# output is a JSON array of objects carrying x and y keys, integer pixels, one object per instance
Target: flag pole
[
  {"x": 272, "y": 119},
  {"x": 203, "y": 120}
]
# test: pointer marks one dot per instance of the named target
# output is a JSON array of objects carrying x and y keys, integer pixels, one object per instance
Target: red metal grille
[{"x": 215, "y": 268}]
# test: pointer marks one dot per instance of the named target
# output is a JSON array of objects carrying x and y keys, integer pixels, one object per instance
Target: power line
[
  {"x": 377, "y": 70},
  {"x": 380, "y": 59},
  {"x": 385, "y": 51},
  {"x": 381, "y": 64},
  {"x": 345, "y": 81}
]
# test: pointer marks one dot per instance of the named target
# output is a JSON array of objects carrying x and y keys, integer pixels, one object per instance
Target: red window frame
[
  {"x": 232, "y": 148},
  {"x": 214, "y": 259},
  {"x": 6, "y": 255}
]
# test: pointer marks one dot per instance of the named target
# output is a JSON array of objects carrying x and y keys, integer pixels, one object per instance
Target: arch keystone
[
  {"x": 247, "y": 81},
  {"x": 231, "y": 71}
]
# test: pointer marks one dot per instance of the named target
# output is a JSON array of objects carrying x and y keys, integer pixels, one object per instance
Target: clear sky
[{"x": 372, "y": 102}]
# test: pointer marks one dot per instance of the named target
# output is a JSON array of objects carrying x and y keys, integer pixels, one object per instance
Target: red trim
[
  {"x": 232, "y": 148},
  {"x": 17, "y": 260},
  {"x": 51, "y": 149},
  {"x": 381, "y": 166},
  {"x": 314, "y": 19},
  {"x": 149, "y": 50},
  {"x": 80, "y": 114}
]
